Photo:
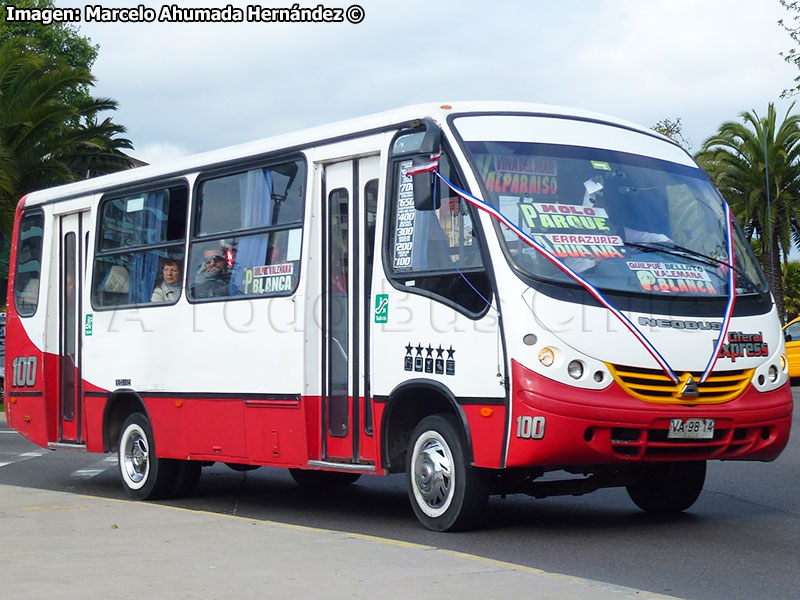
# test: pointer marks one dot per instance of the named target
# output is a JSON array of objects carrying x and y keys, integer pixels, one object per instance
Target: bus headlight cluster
[{"x": 784, "y": 363}]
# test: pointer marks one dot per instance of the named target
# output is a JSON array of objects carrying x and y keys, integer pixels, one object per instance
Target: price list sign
[{"x": 404, "y": 224}]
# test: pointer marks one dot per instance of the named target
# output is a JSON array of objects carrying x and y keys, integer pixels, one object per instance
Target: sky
[{"x": 188, "y": 87}]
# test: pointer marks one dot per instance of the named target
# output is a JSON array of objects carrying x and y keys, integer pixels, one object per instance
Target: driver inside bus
[
  {"x": 630, "y": 213},
  {"x": 213, "y": 279},
  {"x": 631, "y": 219}
]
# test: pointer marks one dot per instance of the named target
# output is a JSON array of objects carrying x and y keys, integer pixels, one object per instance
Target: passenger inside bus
[
  {"x": 213, "y": 279},
  {"x": 169, "y": 290}
]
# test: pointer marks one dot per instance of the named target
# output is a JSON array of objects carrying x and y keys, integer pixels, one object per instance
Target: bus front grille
[
  {"x": 653, "y": 443},
  {"x": 652, "y": 385}
]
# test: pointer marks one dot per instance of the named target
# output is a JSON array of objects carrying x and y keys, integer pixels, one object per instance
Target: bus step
[
  {"x": 65, "y": 446},
  {"x": 324, "y": 464}
]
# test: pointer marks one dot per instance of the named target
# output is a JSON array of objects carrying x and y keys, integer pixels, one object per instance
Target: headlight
[
  {"x": 547, "y": 357},
  {"x": 575, "y": 369},
  {"x": 773, "y": 373}
]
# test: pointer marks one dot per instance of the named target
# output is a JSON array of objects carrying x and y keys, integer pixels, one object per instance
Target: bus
[{"x": 491, "y": 298}]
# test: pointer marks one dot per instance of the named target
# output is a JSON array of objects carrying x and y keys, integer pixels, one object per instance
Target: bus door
[
  {"x": 349, "y": 206},
  {"x": 70, "y": 283}
]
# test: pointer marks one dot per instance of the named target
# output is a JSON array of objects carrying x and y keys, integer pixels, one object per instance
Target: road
[{"x": 741, "y": 540}]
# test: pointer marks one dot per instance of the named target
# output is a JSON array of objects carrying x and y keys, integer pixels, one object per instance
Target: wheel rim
[
  {"x": 433, "y": 477},
  {"x": 135, "y": 457}
]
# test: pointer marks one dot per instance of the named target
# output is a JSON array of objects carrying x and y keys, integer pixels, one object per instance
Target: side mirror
[
  {"x": 787, "y": 336},
  {"x": 422, "y": 139},
  {"x": 425, "y": 188}
]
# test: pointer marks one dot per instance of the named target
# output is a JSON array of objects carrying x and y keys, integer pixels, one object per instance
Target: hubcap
[
  {"x": 136, "y": 457},
  {"x": 433, "y": 474}
]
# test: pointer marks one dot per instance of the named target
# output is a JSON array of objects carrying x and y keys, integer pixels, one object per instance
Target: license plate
[{"x": 691, "y": 429}]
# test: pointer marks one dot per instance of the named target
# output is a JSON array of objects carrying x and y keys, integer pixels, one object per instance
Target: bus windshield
[{"x": 624, "y": 222}]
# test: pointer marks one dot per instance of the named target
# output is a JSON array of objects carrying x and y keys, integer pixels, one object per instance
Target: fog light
[
  {"x": 599, "y": 376},
  {"x": 773, "y": 373},
  {"x": 575, "y": 369},
  {"x": 547, "y": 357}
]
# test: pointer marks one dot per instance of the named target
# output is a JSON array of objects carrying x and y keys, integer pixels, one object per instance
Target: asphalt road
[{"x": 741, "y": 540}]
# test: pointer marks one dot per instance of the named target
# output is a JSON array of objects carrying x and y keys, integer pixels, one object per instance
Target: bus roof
[{"x": 306, "y": 138}]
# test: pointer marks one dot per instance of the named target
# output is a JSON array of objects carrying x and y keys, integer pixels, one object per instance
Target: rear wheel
[
  {"x": 668, "y": 487},
  {"x": 308, "y": 478},
  {"x": 144, "y": 475},
  {"x": 446, "y": 493},
  {"x": 186, "y": 479}
]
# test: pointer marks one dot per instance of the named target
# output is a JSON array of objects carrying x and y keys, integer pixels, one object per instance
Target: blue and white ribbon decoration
[
  {"x": 433, "y": 167},
  {"x": 726, "y": 320}
]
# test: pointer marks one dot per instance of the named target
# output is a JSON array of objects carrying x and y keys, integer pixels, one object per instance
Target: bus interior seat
[{"x": 116, "y": 286}]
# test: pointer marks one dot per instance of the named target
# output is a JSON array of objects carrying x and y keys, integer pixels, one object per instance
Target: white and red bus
[{"x": 493, "y": 298}]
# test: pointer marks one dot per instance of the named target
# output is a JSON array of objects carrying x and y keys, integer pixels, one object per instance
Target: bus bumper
[{"x": 587, "y": 427}]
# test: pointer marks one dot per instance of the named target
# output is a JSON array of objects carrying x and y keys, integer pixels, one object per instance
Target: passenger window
[
  {"x": 29, "y": 263},
  {"x": 140, "y": 253},
  {"x": 371, "y": 199},
  {"x": 438, "y": 250},
  {"x": 248, "y": 233}
]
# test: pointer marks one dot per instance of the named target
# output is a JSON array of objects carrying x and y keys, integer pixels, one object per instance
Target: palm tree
[
  {"x": 44, "y": 139},
  {"x": 791, "y": 289},
  {"x": 734, "y": 157}
]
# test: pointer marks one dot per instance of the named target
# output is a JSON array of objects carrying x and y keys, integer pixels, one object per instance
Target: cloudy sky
[{"x": 190, "y": 87}]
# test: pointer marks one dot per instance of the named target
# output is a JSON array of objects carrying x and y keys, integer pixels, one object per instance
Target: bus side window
[
  {"x": 138, "y": 234},
  {"x": 248, "y": 233},
  {"x": 438, "y": 251},
  {"x": 29, "y": 263}
]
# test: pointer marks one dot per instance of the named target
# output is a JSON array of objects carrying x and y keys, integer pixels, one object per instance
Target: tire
[
  {"x": 188, "y": 475},
  {"x": 446, "y": 493},
  {"x": 241, "y": 468},
  {"x": 144, "y": 475},
  {"x": 306, "y": 478},
  {"x": 668, "y": 487}
]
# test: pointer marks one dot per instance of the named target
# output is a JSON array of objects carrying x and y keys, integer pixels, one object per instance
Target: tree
[
  {"x": 791, "y": 289},
  {"x": 734, "y": 157},
  {"x": 44, "y": 139},
  {"x": 673, "y": 129},
  {"x": 793, "y": 55},
  {"x": 56, "y": 43}
]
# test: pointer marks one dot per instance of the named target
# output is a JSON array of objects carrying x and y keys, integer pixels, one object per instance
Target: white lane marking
[
  {"x": 86, "y": 473},
  {"x": 20, "y": 457},
  {"x": 100, "y": 466}
]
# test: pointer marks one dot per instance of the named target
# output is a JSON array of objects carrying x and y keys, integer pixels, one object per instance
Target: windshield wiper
[{"x": 676, "y": 250}]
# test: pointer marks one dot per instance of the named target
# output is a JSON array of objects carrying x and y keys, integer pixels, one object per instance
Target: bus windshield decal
[
  {"x": 672, "y": 278},
  {"x": 660, "y": 360}
]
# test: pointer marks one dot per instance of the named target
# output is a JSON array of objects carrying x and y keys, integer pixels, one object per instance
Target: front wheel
[
  {"x": 447, "y": 494},
  {"x": 668, "y": 487},
  {"x": 144, "y": 475}
]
